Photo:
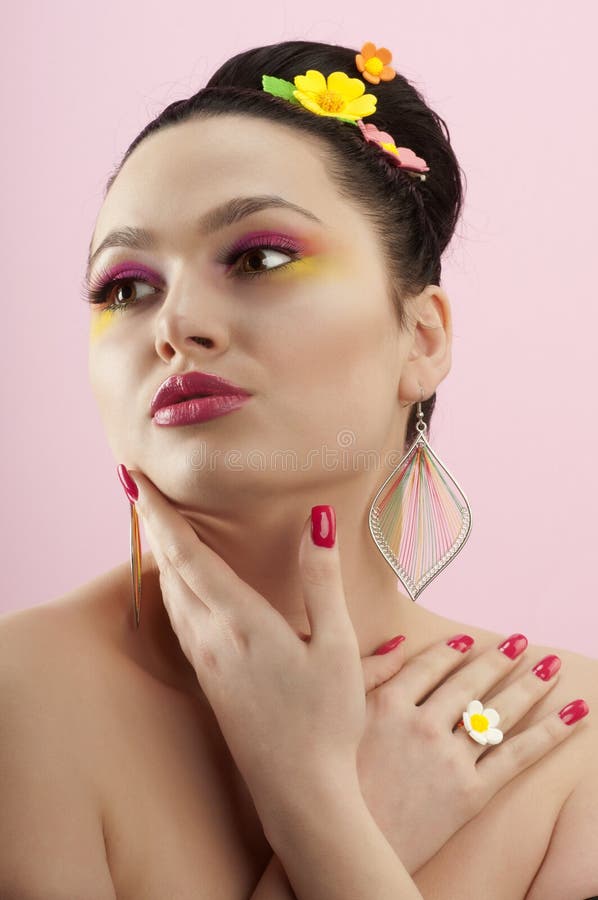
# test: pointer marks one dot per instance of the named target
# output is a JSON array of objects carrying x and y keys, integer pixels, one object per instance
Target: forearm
[{"x": 331, "y": 847}]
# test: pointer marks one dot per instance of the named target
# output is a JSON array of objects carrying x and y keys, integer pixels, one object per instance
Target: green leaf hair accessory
[{"x": 338, "y": 96}]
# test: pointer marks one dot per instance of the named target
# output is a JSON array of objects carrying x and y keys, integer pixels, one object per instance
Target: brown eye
[
  {"x": 251, "y": 262},
  {"x": 122, "y": 292}
]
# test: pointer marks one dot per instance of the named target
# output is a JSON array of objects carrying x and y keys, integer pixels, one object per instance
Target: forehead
[{"x": 185, "y": 169}]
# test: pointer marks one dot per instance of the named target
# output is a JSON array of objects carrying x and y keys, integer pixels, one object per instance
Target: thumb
[{"x": 386, "y": 661}]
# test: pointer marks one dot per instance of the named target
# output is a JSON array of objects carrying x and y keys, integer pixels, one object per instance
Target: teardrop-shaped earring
[
  {"x": 135, "y": 564},
  {"x": 420, "y": 517}
]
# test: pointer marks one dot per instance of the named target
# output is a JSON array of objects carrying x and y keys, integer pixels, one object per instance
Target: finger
[
  {"x": 423, "y": 672},
  {"x": 186, "y": 615},
  {"x": 517, "y": 698},
  {"x": 320, "y": 573},
  {"x": 381, "y": 667},
  {"x": 210, "y": 579},
  {"x": 501, "y": 765},
  {"x": 474, "y": 680},
  {"x": 177, "y": 597}
]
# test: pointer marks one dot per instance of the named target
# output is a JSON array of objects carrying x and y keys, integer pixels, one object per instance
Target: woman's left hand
[{"x": 289, "y": 710}]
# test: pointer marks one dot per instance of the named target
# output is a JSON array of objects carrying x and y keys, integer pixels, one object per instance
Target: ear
[{"x": 429, "y": 358}]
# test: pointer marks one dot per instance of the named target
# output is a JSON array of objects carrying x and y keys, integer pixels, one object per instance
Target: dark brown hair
[{"x": 415, "y": 220}]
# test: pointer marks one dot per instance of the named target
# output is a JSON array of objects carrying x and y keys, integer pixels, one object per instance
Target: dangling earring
[
  {"x": 135, "y": 564},
  {"x": 420, "y": 517},
  {"x": 132, "y": 492}
]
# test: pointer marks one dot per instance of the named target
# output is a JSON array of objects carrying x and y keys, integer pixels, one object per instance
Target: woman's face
[{"x": 314, "y": 338}]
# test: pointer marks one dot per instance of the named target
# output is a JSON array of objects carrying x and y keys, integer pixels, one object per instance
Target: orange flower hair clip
[
  {"x": 373, "y": 61},
  {"x": 342, "y": 97}
]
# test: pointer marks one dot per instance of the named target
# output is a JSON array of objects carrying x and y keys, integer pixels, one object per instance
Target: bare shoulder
[
  {"x": 103, "y": 751},
  {"x": 55, "y": 656},
  {"x": 570, "y": 864},
  {"x": 51, "y": 824}
]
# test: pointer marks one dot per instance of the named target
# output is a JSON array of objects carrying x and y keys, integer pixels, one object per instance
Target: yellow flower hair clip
[
  {"x": 338, "y": 95},
  {"x": 343, "y": 98}
]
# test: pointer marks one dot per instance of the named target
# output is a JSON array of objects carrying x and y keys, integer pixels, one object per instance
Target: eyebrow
[{"x": 221, "y": 216}]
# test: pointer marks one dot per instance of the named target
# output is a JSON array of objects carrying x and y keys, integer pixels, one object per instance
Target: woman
[{"x": 247, "y": 739}]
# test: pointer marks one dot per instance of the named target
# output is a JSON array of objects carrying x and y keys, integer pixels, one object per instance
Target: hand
[
  {"x": 419, "y": 778},
  {"x": 287, "y": 709}
]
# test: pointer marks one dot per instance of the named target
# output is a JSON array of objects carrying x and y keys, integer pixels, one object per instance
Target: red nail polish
[
  {"x": 513, "y": 646},
  {"x": 323, "y": 526},
  {"x": 547, "y": 667},
  {"x": 390, "y": 645},
  {"x": 574, "y": 711},
  {"x": 131, "y": 489},
  {"x": 461, "y": 642}
]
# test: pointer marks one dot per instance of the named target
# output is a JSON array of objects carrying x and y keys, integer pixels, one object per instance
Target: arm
[
  {"x": 330, "y": 846},
  {"x": 570, "y": 866}
]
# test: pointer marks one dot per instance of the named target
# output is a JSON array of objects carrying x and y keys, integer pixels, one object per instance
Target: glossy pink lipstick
[{"x": 195, "y": 397}]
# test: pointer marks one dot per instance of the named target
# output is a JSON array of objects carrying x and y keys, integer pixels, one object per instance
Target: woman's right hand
[{"x": 419, "y": 773}]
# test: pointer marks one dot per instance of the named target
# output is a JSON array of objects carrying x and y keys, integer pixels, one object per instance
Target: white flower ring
[{"x": 480, "y": 722}]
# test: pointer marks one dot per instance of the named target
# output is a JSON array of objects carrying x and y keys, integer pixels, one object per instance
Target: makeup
[
  {"x": 198, "y": 409},
  {"x": 307, "y": 258},
  {"x": 100, "y": 322},
  {"x": 547, "y": 667},
  {"x": 513, "y": 646},
  {"x": 574, "y": 711}
]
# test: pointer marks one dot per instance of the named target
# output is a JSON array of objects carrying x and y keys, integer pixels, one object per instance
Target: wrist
[{"x": 323, "y": 793}]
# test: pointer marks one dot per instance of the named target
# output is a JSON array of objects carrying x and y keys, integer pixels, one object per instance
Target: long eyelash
[{"x": 97, "y": 291}]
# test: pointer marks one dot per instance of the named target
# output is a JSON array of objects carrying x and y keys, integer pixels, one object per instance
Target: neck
[{"x": 262, "y": 549}]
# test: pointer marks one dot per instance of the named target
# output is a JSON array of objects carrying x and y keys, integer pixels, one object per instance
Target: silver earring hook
[
  {"x": 420, "y": 424},
  {"x": 419, "y": 402}
]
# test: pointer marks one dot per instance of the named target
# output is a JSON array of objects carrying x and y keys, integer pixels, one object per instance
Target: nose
[{"x": 190, "y": 317}]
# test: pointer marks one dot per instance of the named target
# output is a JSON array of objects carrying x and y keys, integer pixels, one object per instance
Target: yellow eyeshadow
[
  {"x": 100, "y": 321},
  {"x": 306, "y": 265}
]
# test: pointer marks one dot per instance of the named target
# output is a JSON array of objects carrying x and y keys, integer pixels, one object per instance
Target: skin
[
  {"x": 285, "y": 337},
  {"x": 320, "y": 349}
]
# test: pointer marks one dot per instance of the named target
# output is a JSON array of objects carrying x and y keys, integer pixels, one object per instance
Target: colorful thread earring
[
  {"x": 132, "y": 493},
  {"x": 135, "y": 564},
  {"x": 420, "y": 518}
]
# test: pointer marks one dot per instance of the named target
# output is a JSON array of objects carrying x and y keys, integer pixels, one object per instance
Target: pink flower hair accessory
[{"x": 402, "y": 157}]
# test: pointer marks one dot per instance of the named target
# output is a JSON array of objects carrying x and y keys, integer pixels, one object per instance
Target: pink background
[{"x": 515, "y": 421}]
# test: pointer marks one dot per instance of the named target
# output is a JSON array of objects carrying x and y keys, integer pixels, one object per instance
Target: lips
[{"x": 193, "y": 384}]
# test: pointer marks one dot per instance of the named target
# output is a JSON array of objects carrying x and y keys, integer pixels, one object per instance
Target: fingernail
[
  {"x": 390, "y": 645},
  {"x": 574, "y": 711},
  {"x": 547, "y": 667},
  {"x": 461, "y": 642},
  {"x": 323, "y": 526},
  {"x": 131, "y": 489},
  {"x": 513, "y": 646}
]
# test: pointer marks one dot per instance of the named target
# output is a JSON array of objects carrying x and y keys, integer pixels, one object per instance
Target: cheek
[
  {"x": 339, "y": 331},
  {"x": 333, "y": 357},
  {"x": 100, "y": 322},
  {"x": 105, "y": 359},
  {"x": 112, "y": 376}
]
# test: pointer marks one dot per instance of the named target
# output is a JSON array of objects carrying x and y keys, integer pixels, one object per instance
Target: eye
[
  {"x": 249, "y": 252},
  {"x": 125, "y": 290},
  {"x": 251, "y": 258},
  {"x": 103, "y": 290}
]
